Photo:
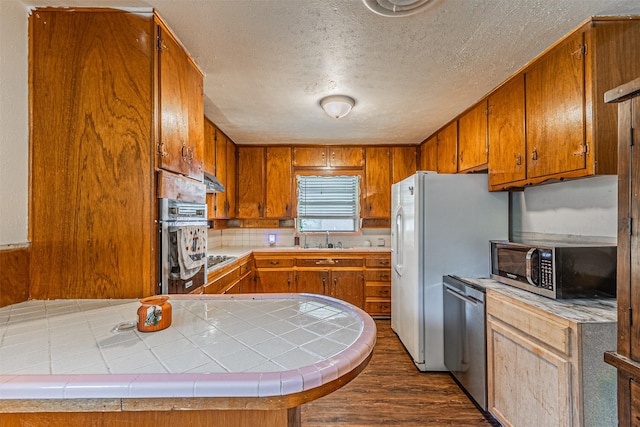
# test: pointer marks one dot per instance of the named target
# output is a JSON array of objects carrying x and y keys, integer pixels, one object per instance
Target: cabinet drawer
[
  {"x": 329, "y": 262},
  {"x": 378, "y": 307},
  {"x": 379, "y": 262},
  {"x": 379, "y": 291},
  {"x": 274, "y": 262},
  {"x": 378, "y": 275},
  {"x": 219, "y": 285},
  {"x": 544, "y": 328}
]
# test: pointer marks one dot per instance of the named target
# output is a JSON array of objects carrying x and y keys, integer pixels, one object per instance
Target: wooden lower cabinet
[
  {"x": 359, "y": 278},
  {"x": 545, "y": 370},
  {"x": 377, "y": 286}
]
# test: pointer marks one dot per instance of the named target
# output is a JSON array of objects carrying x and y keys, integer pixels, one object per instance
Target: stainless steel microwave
[{"x": 556, "y": 270}]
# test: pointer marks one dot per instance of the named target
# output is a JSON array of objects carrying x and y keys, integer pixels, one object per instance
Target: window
[{"x": 328, "y": 203}]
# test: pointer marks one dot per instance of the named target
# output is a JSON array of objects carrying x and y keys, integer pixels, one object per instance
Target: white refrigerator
[{"x": 441, "y": 224}]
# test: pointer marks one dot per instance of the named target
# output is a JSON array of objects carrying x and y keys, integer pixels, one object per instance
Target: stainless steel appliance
[
  {"x": 465, "y": 351},
  {"x": 183, "y": 246},
  {"x": 556, "y": 270},
  {"x": 441, "y": 224}
]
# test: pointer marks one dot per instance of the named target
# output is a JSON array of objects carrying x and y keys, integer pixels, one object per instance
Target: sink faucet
[{"x": 327, "y": 242}]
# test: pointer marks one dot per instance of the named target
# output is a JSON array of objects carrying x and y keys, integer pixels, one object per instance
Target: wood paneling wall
[{"x": 14, "y": 280}]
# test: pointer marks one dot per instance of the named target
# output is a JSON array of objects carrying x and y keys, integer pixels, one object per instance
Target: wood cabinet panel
[
  {"x": 348, "y": 285},
  {"x": 92, "y": 118},
  {"x": 251, "y": 177},
  {"x": 221, "y": 210},
  {"x": 309, "y": 156},
  {"x": 377, "y": 187},
  {"x": 507, "y": 159},
  {"x": 448, "y": 149},
  {"x": 180, "y": 131},
  {"x": 404, "y": 162},
  {"x": 529, "y": 384},
  {"x": 274, "y": 281},
  {"x": 278, "y": 182},
  {"x": 346, "y": 157},
  {"x": 473, "y": 150},
  {"x": 555, "y": 88},
  {"x": 429, "y": 154},
  {"x": 312, "y": 281},
  {"x": 231, "y": 191}
]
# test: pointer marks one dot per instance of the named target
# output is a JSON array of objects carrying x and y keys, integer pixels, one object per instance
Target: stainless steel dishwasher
[{"x": 465, "y": 352}]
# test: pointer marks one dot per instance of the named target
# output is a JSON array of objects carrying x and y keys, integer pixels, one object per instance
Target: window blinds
[{"x": 328, "y": 198}]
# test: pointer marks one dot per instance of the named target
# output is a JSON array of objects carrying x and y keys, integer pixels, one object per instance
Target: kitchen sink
[{"x": 217, "y": 260}]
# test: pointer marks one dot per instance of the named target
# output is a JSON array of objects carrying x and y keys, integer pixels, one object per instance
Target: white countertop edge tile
[{"x": 242, "y": 384}]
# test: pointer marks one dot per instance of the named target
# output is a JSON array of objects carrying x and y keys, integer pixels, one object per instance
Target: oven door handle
[{"x": 528, "y": 265}]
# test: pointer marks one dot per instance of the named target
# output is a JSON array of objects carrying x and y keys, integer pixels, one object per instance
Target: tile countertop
[
  {"x": 598, "y": 310},
  {"x": 217, "y": 346},
  {"x": 241, "y": 251}
]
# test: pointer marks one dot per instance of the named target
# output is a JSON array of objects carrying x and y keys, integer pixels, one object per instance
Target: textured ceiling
[{"x": 267, "y": 63}]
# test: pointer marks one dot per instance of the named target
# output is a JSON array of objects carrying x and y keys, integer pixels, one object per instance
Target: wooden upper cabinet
[
  {"x": 181, "y": 110},
  {"x": 221, "y": 207},
  {"x": 346, "y": 157},
  {"x": 310, "y": 156},
  {"x": 232, "y": 176},
  {"x": 209, "y": 163},
  {"x": 278, "y": 183},
  {"x": 319, "y": 157},
  {"x": 448, "y": 149},
  {"x": 472, "y": 139},
  {"x": 507, "y": 159},
  {"x": 555, "y": 106},
  {"x": 429, "y": 154},
  {"x": 377, "y": 186},
  {"x": 251, "y": 178},
  {"x": 404, "y": 162}
]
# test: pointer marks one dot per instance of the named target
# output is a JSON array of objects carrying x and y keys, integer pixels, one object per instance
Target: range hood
[{"x": 213, "y": 184}]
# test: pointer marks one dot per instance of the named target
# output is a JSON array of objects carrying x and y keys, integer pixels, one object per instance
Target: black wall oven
[{"x": 182, "y": 244}]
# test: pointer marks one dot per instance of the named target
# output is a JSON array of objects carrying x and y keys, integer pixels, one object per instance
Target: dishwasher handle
[{"x": 465, "y": 298}]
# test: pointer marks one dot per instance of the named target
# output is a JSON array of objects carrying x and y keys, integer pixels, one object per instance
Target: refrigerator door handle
[{"x": 397, "y": 243}]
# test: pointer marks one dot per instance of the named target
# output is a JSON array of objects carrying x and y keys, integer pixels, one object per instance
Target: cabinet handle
[
  {"x": 519, "y": 159},
  {"x": 534, "y": 154},
  {"x": 274, "y": 262},
  {"x": 462, "y": 157},
  {"x": 161, "y": 150},
  {"x": 190, "y": 155},
  {"x": 324, "y": 284},
  {"x": 184, "y": 152},
  {"x": 335, "y": 281},
  {"x": 385, "y": 262},
  {"x": 384, "y": 277}
]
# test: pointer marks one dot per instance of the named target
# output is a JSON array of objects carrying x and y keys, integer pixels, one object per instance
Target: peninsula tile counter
[{"x": 248, "y": 357}]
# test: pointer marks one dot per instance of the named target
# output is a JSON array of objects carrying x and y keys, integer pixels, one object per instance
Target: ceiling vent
[{"x": 396, "y": 8}]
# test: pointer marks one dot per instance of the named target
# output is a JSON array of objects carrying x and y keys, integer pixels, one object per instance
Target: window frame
[{"x": 329, "y": 173}]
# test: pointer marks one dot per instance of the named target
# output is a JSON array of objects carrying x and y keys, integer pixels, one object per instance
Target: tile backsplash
[{"x": 259, "y": 237}]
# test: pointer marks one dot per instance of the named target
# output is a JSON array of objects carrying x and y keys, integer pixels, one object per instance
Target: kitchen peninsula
[{"x": 225, "y": 360}]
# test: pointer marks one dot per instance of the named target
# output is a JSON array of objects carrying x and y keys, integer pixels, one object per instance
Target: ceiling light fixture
[
  {"x": 396, "y": 8},
  {"x": 337, "y": 106}
]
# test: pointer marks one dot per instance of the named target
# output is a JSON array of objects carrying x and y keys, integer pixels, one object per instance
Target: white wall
[
  {"x": 584, "y": 209},
  {"x": 14, "y": 131}
]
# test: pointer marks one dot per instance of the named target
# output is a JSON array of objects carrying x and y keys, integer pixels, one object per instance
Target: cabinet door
[
  {"x": 195, "y": 105},
  {"x": 250, "y": 182},
  {"x": 273, "y": 281},
  {"x": 174, "y": 119},
  {"x": 555, "y": 88},
  {"x": 472, "y": 138},
  {"x": 232, "y": 176},
  {"x": 507, "y": 160},
  {"x": 278, "y": 194},
  {"x": 448, "y": 149},
  {"x": 346, "y": 157},
  {"x": 312, "y": 282},
  {"x": 404, "y": 162},
  {"x": 429, "y": 154},
  {"x": 528, "y": 384},
  {"x": 377, "y": 197},
  {"x": 221, "y": 173},
  {"x": 209, "y": 165},
  {"x": 348, "y": 285},
  {"x": 309, "y": 156}
]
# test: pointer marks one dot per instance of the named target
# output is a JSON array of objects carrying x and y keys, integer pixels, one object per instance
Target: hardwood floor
[{"x": 392, "y": 392}]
